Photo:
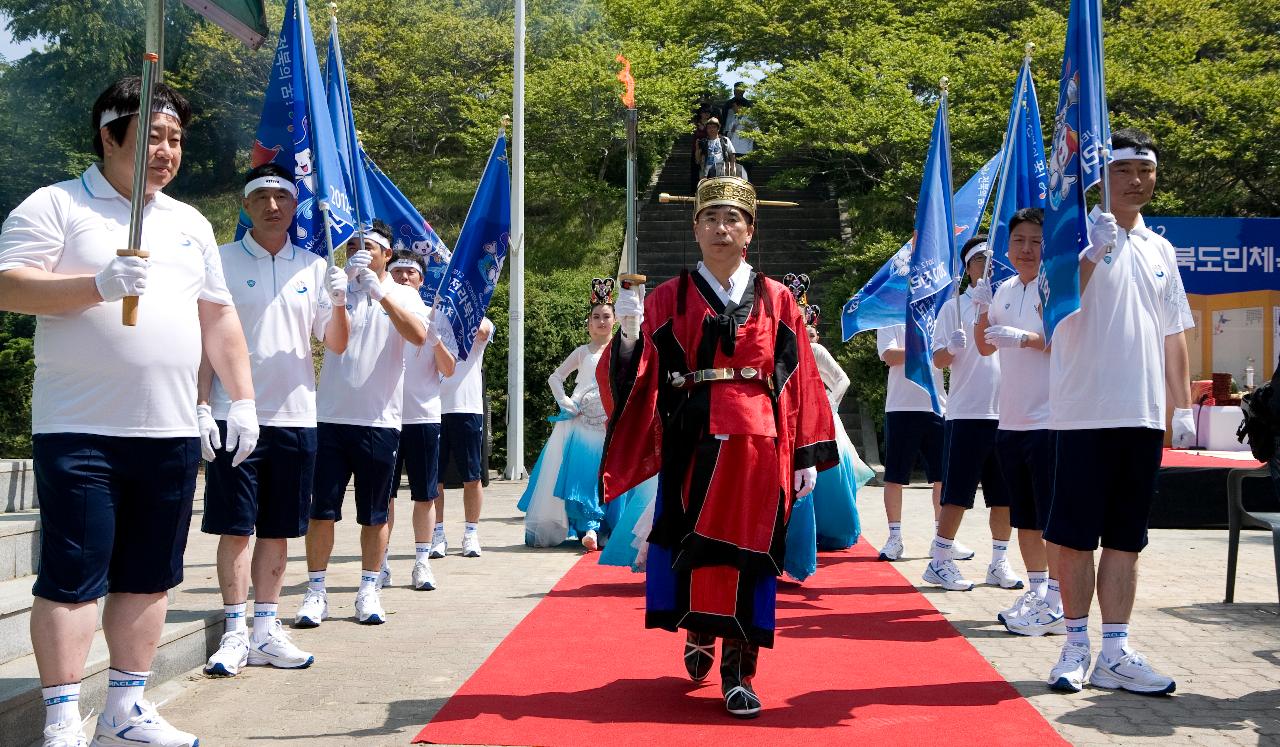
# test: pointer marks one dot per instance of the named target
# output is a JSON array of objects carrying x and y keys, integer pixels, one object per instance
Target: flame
[{"x": 624, "y": 76}]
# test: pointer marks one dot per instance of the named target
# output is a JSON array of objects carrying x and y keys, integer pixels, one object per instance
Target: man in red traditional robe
[{"x": 712, "y": 385}]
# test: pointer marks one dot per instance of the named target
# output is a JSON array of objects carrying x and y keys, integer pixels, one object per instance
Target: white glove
[
  {"x": 1103, "y": 235},
  {"x": 1184, "y": 428},
  {"x": 367, "y": 281},
  {"x": 629, "y": 309},
  {"x": 805, "y": 480},
  {"x": 357, "y": 262},
  {"x": 568, "y": 405},
  {"x": 1004, "y": 336},
  {"x": 210, "y": 440},
  {"x": 981, "y": 294},
  {"x": 337, "y": 282},
  {"x": 242, "y": 430},
  {"x": 958, "y": 342},
  {"x": 123, "y": 276}
]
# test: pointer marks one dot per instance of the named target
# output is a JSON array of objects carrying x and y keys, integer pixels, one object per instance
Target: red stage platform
[{"x": 1192, "y": 488}]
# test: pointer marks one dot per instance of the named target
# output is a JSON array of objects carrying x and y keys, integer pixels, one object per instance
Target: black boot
[
  {"x": 699, "y": 655},
  {"x": 737, "y": 668}
]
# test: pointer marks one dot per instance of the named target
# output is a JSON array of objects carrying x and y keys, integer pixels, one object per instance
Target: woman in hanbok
[{"x": 562, "y": 500}]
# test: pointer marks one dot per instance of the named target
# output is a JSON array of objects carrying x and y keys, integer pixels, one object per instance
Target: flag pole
[
  {"x": 1106, "y": 147},
  {"x": 152, "y": 72},
  {"x": 944, "y": 86},
  {"x": 515, "y": 354}
]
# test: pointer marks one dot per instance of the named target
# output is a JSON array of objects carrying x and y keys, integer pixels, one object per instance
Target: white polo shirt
[
  {"x": 904, "y": 395},
  {"x": 1107, "y": 360},
  {"x": 365, "y": 385},
  {"x": 1024, "y": 372},
  {"x": 93, "y": 374},
  {"x": 975, "y": 378},
  {"x": 282, "y": 301},
  {"x": 464, "y": 391},
  {"x": 422, "y": 378}
]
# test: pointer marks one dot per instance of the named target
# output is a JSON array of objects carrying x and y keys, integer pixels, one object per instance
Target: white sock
[
  {"x": 1054, "y": 596},
  {"x": 895, "y": 529},
  {"x": 941, "y": 548},
  {"x": 1038, "y": 581},
  {"x": 234, "y": 617},
  {"x": 421, "y": 550},
  {"x": 368, "y": 580},
  {"x": 315, "y": 579},
  {"x": 999, "y": 549},
  {"x": 61, "y": 704},
  {"x": 386, "y": 559},
  {"x": 123, "y": 690},
  {"x": 1078, "y": 631},
  {"x": 470, "y": 527},
  {"x": 1115, "y": 640},
  {"x": 264, "y": 617},
  {"x": 438, "y": 531}
]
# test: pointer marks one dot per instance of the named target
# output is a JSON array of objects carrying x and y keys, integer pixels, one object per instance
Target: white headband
[
  {"x": 1134, "y": 154},
  {"x": 112, "y": 115},
  {"x": 408, "y": 264},
  {"x": 975, "y": 249},
  {"x": 376, "y": 238},
  {"x": 270, "y": 182}
]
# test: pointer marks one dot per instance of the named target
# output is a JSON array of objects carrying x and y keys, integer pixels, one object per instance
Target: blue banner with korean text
[
  {"x": 477, "y": 258},
  {"x": 1224, "y": 255}
]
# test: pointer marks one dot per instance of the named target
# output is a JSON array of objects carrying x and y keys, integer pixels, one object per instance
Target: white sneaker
[
  {"x": 65, "y": 734},
  {"x": 314, "y": 609},
  {"x": 278, "y": 651},
  {"x": 960, "y": 551},
  {"x": 1130, "y": 672},
  {"x": 1025, "y": 604},
  {"x": 591, "y": 540},
  {"x": 230, "y": 658},
  {"x": 1001, "y": 574},
  {"x": 145, "y": 726},
  {"x": 471, "y": 544},
  {"x": 947, "y": 576},
  {"x": 892, "y": 549},
  {"x": 384, "y": 576},
  {"x": 439, "y": 546},
  {"x": 1067, "y": 676},
  {"x": 423, "y": 578},
  {"x": 369, "y": 608},
  {"x": 1040, "y": 620}
]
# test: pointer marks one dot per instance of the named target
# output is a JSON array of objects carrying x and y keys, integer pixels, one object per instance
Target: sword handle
[{"x": 129, "y": 307}]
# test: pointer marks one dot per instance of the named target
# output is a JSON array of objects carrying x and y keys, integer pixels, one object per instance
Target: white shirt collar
[
  {"x": 255, "y": 250},
  {"x": 1139, "y": 229},
  {"x": 738, "y": 282},
  {"x": 96, "y": 184}
]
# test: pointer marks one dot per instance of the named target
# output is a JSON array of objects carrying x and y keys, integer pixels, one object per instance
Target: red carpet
[
  {"x": 1180, "y": 458},
  {"x": 861, "y": 658}
]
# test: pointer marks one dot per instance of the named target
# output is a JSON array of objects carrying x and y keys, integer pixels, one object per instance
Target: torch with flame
[{"x": 628, "y": 98}]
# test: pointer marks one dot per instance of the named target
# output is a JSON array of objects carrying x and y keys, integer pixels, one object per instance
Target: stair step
[
  {"x": 15, "y": 618},
  {"x": 186, "y": 642},
  {"x": 17, "y": 485},
  {"x": 19, "y": 544}
]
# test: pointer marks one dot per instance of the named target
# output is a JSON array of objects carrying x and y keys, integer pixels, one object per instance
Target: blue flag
[
  {"x": 1081, "y": 134},
  {"x": 291, "y": 135},
  {"x": 481, "y": 249},
  {"x": 932, "y": 265},
  {"x": 409, "y": 230},
  {"x": 343, "y": 121},
  {"x": 881, "y": 301},
  {"x": 1024, "y": 179}
]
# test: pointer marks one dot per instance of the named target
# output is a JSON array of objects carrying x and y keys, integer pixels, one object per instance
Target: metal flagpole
[
  {"x": 515, "y": 256},
  {"x": 152, "y": 72}
]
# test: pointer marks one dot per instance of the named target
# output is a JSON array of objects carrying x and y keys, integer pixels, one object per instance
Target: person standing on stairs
[
  {"x": 284, "y": 296},
  {"x": 113, "y": 415},
  {"x": 713, "y": 387}
]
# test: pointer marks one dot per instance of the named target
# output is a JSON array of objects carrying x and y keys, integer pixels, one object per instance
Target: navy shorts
[
  {"x": 1026, "y": 459},
  {"x": 1104, "y": 481},
  {"x": 970, "y": 447},
  {"x": 270, "y": 492},
  {"x": 462, "y": 441},
  {"x": 366, "y": 452},
  {"x": 114, "y": 513},
  {"x": 420, "y": 455},
  {"x": 907, "y": 434}
]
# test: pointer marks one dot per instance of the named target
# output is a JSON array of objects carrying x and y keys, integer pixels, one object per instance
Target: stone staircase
[{"x": 191, "y": 629}]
